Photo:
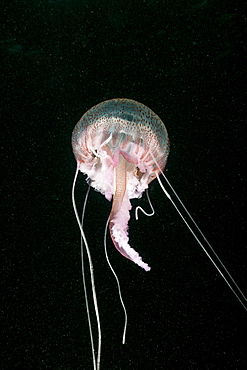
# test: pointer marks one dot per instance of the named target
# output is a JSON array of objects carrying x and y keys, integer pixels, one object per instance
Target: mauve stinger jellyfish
[{"x": 121, "y": 145}]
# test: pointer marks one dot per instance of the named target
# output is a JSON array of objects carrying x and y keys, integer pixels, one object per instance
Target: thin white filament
[
  {"x": 84, "y": 281},
  {"x": 101, "y": 145},
  {"x": 141, "y": 209},
  {"x": 96, "y": 366},
  {"x": 118, "y": 284},
  {"x": 210, "y": 246},
  {"x": 201, "y": 245}
]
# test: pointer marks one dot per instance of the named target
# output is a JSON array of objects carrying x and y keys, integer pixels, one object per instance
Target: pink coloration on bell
[{"x": 118, "y": 144}]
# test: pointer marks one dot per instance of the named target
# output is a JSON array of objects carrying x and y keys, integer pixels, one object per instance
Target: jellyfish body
[{"x": 121, "y": 145}]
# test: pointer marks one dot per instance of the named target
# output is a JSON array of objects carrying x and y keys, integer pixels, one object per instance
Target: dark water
[{"x": 186, "y": 61}]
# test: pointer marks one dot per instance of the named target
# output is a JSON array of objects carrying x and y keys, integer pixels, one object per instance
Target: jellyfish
[{"x": 121, "y": 145}]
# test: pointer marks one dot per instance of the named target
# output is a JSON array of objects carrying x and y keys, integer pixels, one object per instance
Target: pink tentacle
[{"x": 120, "y": 216}]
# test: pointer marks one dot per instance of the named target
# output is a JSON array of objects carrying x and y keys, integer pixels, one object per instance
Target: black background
[{"x": 186, "y": 61}]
